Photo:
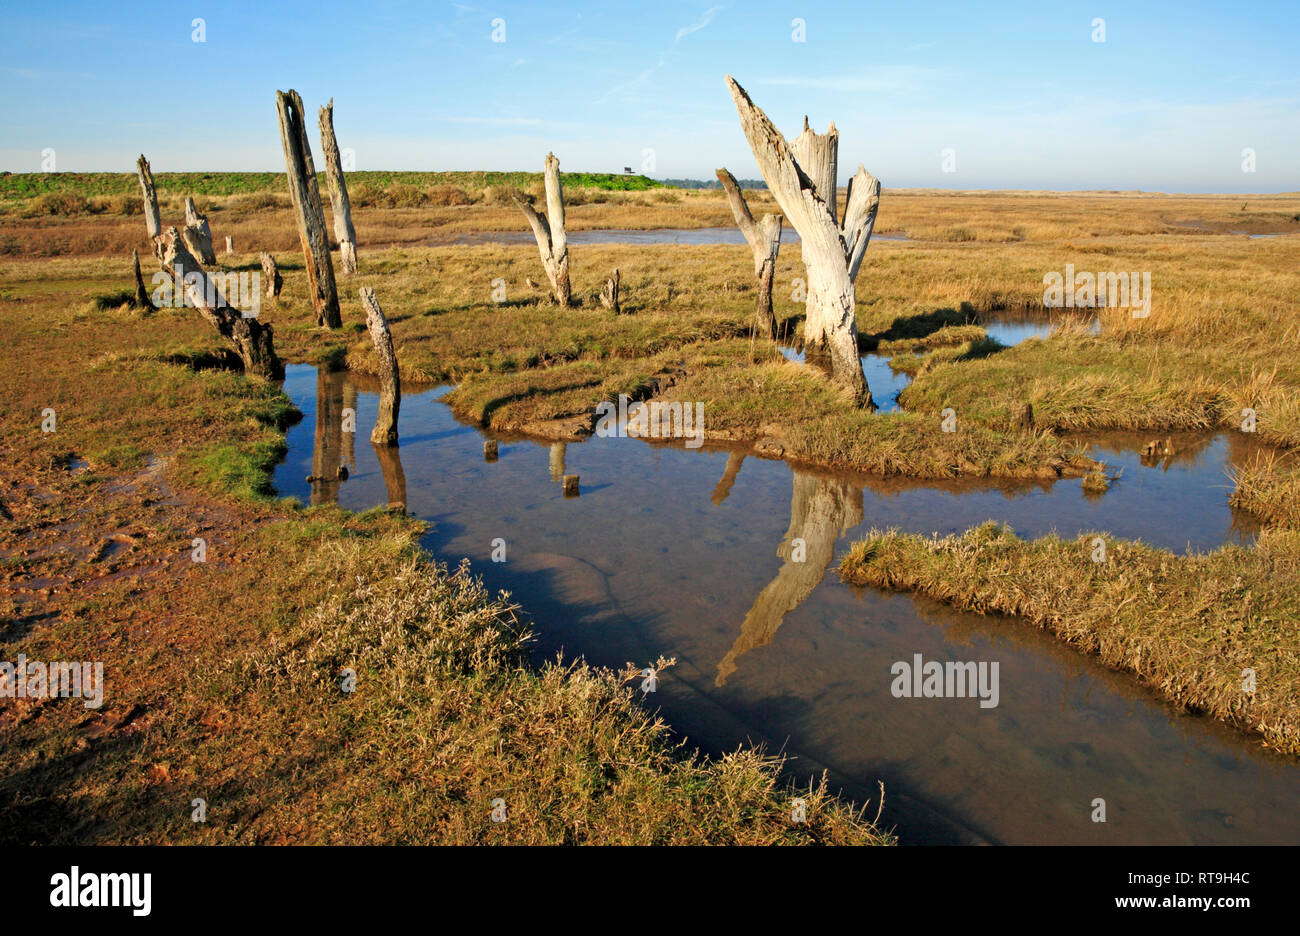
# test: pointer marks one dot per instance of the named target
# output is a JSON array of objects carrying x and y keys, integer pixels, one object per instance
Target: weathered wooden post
[
  {"x": 343, "y": 232},
  {"x": 609, "y": 295},
  {"x": 490, "y": 450},
  {"x": 152, "y": 219},
  {"x": 271, "y": 273},
  {"x": 252, "y": 340},
  {"x": 141, "y": 294},
  {"x": 801, "y": 176},
  {"x": 764, "y": 239},
  {"x": 305, "y": 194},
  {"x": 549, "y": 231},
  {"x": 230, "y": 245},
  {"x": 197, "y": 234},
  {"x": 390, "y": 384},
  {"x": 570, "y": 485}
]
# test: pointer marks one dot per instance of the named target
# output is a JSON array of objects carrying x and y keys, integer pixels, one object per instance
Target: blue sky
[{"x": 1019, "y": 92}]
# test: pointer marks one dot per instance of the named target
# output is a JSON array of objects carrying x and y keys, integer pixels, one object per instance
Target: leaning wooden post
[
  {"x": 305, "y": 194},
  {"x": 141, "y": 294},
  {"x": 152, "y": 219},
  {"x": 197, "y": 234},
  {"x": 832, "y": 251},
  {"x": 390, "y": 384},
  {"x": 252, "y": 340},
  {"x": 764, "y": 239},
  {"x": 549, "y": 231},
  {"x": 343, "y": 232}
]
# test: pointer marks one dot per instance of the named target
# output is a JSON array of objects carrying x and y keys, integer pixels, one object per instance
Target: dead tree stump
[
  {"x": 152, "y": 219},
  {"x": 609, "y": 295},
  {"x": 764, "y": 239},
  {"x": 197, "y": 234},
  {"x": 271, "y": 273},
  {"x": 570, "y": 485},
  {"x": 801, "y": 175},
  {"x": 305, "y": 195},
  {"x": 343, "y": 232},
  {"x": 252, "y": 340},
  {"x": 549, "y": 231},
  {"x": 390, "y": 384}
]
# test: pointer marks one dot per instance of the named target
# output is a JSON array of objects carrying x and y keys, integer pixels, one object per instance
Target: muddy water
[
  {"x": 689, "y": 554},
  {"x": 695, "y": 236}
]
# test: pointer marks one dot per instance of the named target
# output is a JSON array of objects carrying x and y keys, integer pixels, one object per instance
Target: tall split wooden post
[
  {"x": 552, "y": 243},
  {"x": 305, "y": 194},
  {"x": 801, "y": 175},
  {"x": 764, "y": 239},
  {"x": 152, "y": 219},
  {"x": 343, "y": 232},
  {"x": 390, "y": 384}
]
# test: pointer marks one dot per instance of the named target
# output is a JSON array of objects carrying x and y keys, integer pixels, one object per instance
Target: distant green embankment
[{"x": 16, "y": 186}]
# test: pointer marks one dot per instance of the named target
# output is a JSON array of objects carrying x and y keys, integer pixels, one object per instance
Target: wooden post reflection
[
  {"x": 328, "y": 451},
  {"x": 390, "y": 463},
  {"x": 821, "y": 509},
  {"x": 734, "y": 461}
]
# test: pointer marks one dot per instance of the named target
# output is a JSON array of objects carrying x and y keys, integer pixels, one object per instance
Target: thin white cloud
[
  {"x": 644, "y": 77},
  {"x": 705, "y": 20}
]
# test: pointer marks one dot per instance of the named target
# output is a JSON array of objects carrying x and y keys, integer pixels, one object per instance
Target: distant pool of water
[
  {"x": 694, "y": 236},
  {"x": 1007, "y": 329}
]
